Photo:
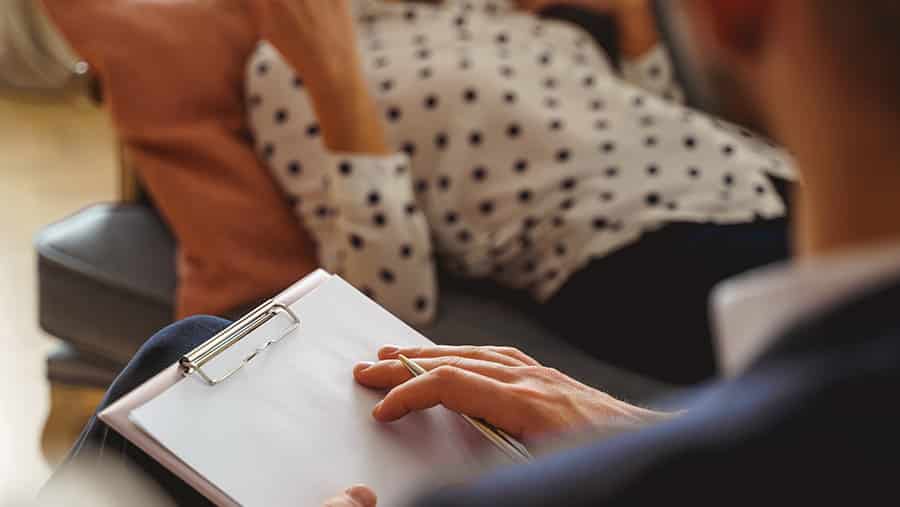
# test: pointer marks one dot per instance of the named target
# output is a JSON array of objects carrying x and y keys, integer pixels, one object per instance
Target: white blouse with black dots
[{"x": 521, "y": 153}]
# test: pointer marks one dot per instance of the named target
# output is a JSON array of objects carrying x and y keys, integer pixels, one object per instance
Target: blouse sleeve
[
  {"x": 359, "y": 208},
  {"x": 654, "y": 72}
]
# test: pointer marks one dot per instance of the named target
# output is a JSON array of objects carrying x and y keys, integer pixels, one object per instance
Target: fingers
[
  {"x": 356, "y": 496},
  {"x": 456, "y": 389},
  {"x": 508, "y": 356},
  {"x": 390, "y": 373}
]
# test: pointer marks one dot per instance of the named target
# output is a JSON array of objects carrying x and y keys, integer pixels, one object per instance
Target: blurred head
[{"x": 761, "y": 62}]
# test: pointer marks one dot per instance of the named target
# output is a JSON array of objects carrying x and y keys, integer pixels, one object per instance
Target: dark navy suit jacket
[{"x": 814, "y": 421}]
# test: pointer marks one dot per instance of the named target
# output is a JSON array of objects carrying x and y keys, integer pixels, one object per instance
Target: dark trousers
[
  {"x": 99, "y": 445},
  {"x": 645, "y": 307}
]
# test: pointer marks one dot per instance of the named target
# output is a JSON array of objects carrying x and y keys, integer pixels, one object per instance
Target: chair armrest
[{"x": 106, "y": 278}]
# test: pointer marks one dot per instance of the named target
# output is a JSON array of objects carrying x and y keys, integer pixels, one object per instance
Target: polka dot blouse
[{"x": 521, "y": 154}]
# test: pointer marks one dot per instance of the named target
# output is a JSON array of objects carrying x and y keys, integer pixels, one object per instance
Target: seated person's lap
[
  {"x": 97, "y": 440},
  {"x": 642, "y": 306}
]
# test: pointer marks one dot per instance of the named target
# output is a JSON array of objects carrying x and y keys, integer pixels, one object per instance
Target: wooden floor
[{"x": 56, "y": 156}]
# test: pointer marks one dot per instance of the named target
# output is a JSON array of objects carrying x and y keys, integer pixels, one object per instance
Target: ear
[{"x": 738, "y": 27}]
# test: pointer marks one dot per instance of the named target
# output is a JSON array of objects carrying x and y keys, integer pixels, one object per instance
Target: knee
[
  {"x": 177, "y": 339},
  {"x": 162, "y": 350}
]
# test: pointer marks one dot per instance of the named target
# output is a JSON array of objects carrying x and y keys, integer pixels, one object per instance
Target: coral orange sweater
[{"x": 172, "y": 74}]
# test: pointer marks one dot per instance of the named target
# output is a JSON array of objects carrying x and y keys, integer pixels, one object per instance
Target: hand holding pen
[
  {"x": 511, "y": 447},
  {"x": 498, "y": 385}
]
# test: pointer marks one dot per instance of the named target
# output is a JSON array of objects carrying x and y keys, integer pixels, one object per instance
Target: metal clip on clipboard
[{"x": 195, "y": 360}]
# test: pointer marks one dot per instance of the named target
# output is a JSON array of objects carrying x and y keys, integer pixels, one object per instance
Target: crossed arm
[{"x": 365, "y": 219}]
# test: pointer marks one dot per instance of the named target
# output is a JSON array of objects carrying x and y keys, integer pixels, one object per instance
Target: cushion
[{"x": 172, "y": 75}]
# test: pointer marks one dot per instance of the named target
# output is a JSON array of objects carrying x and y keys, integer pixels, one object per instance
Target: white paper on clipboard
[{"x": 294, "y": 428}]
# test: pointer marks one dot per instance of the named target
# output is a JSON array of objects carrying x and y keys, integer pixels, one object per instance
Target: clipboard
[
  {"x": 416, "y": 448},
  {"x": 116, "y": 415}
]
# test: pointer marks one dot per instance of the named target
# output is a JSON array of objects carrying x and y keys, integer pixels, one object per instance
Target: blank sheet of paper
[{"x": 293, "y": 428}]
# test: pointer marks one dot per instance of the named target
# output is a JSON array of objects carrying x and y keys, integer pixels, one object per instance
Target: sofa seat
[{"x": 107, "y": 282}]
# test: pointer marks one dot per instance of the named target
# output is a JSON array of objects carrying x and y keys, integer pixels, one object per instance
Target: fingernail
[
  {"x": 390, "y": 350},
  {"x": 376, "y": 409},
  {"x": 362, "y": 365}
]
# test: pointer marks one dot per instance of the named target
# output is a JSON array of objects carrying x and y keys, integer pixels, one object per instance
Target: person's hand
[
  {"x": 317, "y": 37},
  {"x": 357, "y": 496},
  {"x": 501, "y": 385}
]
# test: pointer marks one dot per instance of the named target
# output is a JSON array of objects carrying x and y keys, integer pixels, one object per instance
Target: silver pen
[{"x": 514, "y": 449}]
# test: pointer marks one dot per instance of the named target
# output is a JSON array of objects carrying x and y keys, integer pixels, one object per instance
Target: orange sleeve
[{"x": 172, "y": 75}]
